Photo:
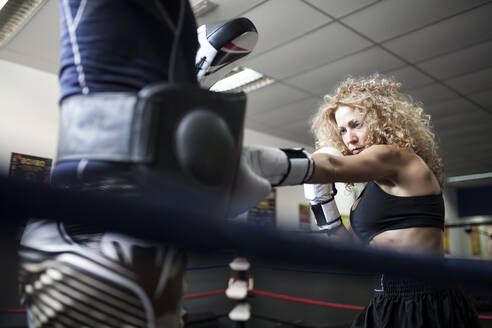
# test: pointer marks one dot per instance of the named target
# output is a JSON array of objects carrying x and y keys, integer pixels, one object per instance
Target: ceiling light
[
  {"x": 470, "y": 177},
  {"x": 14, "y": 15},
  {"x": 2, "y": 3},
  {"x": 241, "y": 79},
  {"x": 201, "y": 7}
]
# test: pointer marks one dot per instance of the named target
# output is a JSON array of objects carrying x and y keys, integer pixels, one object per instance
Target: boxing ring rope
[
  {"x": 156, "y": 221},
  {"x": 197, "y": 232},
  {"x": 292, "y": 298},
  {"x": 205, "y": 294},
  {"x": 330, "y": 272},
  {"x": 19, "y": 311},
  {"x": 299, "y": 300},
  {"x": 280, "y": 268},
  {"x": 272, "y": 295},
  {"x": 307, "y": 301},
  {"x": 207, "y": 267}
]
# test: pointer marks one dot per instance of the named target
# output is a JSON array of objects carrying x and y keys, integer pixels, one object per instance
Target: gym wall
[{"x": 29, "y": 111}]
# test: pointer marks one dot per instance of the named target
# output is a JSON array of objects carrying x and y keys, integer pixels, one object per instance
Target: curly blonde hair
[{"x": 392, "y": 117}]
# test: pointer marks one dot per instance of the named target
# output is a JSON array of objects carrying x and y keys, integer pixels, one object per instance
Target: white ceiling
[{"x": 439, "y": 49}]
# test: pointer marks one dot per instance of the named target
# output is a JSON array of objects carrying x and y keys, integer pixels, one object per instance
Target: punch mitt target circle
[{"x": 205, "y": 147}]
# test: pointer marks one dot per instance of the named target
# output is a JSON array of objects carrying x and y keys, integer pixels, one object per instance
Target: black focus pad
[
  {"x": 205, "y": 147},
  {"x": 195, "y": 140}
]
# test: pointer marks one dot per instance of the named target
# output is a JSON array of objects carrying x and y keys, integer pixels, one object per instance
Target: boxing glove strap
[
  {"x": 325, "y": 210},
  {"x": 300, "y": 167}
]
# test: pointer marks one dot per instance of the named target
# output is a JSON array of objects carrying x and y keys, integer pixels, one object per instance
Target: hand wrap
[{"x": 322, "y": 199}]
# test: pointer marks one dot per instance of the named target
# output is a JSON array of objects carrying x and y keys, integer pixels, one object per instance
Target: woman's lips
[{"x": 357, "y": 150}]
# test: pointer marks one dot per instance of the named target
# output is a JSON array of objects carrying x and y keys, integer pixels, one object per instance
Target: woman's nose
[{"x": 352, "y": 137}]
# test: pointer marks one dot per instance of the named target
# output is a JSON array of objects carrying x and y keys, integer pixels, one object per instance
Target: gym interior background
[{"x": 439, "y": 49}]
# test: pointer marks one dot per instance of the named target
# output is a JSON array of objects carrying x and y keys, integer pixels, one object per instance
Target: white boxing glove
[
  {"x": 280, "y": 166},
  {"x": 262, "y": 168},
  {"x": 322, "y": 199}
]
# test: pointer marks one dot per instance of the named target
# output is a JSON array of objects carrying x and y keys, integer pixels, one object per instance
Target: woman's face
[{"x": 353, "y": 131}]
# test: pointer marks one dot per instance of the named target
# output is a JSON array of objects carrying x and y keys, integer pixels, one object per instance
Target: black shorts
[{"x": 410, "y": 303}]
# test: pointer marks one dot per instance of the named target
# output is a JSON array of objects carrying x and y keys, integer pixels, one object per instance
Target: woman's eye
[
  {"x": 357, "y": 124},
  {"x": 342, "y": 132}
]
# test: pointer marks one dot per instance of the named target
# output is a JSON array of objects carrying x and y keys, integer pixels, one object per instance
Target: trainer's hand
[
  {"x": 222, "y": 43},
  {"x": 322, "y": 199}
]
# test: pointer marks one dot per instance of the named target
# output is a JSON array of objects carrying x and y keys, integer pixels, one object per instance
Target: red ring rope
[
  {"x": 192, "y": 296},
  {"x": 303, "y": 300},
  {"x": 327, "y": 304},
  {"x": 13, "y": 311},
  {"x": 273, "y": 295}
]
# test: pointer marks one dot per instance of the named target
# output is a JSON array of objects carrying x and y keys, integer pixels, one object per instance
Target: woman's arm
[
  {"x": 341, "y": 233},
  {"x": 375, "y": 162}
]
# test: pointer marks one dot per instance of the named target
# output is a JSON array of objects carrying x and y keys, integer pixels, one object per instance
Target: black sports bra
[{"x": 378, "y": 211}]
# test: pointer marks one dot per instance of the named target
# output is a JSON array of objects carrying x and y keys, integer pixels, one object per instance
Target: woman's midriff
[{"x": 421, "y": 240}]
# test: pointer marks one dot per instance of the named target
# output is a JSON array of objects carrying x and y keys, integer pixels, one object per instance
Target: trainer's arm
[{"x": 376, "y": 162}]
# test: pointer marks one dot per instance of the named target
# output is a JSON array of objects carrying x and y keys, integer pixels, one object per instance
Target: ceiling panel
[
  {"x": 272, "y": 96},
  {"x": 432, "y": 94},
  {"x": 464, "y": 130},
  {"x": 473, "y": 82},
  {"x": 470, "y": 167},
  {"x": 37, "y": 43},
  {"x": 450, "y": 35},
  {"x": 387, "y": 19},
  {"x": 227, "y": 9},
  {"x": 324, "y": 79},
  {"x": 455, "y": 167},
  {"x": 273, "y": 32},
  {"x": 291, "y": 113},
  {"x": 455, "y": 106},
  {"x": 460, "y": 62},
  {"x": 483, "y": 98},
  {"x": 473, "y": 161},
  {"x": 455, "y": 120},
  {"x": 338, "y": 8},
  {"x": 470, "y": 144},
  {"x": 324, "y": 45},
  {"x": 461, "y": 153},
  {"x": 410, "y": 77}
]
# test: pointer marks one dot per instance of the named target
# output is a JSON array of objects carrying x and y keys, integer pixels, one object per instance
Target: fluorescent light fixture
[
  {"x": 14, "y": 14},
  {"x": 201, "y": 7},
  {"x": 2, "y": 3},
  {"x": 470, "y": 177},
  {"x": 241, "y": 79}
]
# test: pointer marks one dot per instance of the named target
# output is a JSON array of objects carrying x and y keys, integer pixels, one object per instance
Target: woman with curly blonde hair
[{"x": 386, "y": 140}]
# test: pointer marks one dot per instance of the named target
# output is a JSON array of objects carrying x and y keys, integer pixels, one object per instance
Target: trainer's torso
[{"x": 122, "y": 45}]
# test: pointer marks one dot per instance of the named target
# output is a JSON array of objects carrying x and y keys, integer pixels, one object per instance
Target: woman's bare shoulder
[{"x": 388, "y": 153}]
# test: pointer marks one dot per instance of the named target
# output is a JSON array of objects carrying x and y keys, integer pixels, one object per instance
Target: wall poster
[
  {"x": 264, "y": 213},
  {"x": 445, "y": 239},
  {"x": 475, "y": 241},
  {"x": 29, "y": 168},
  {"x": 304, "y": 217}
]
